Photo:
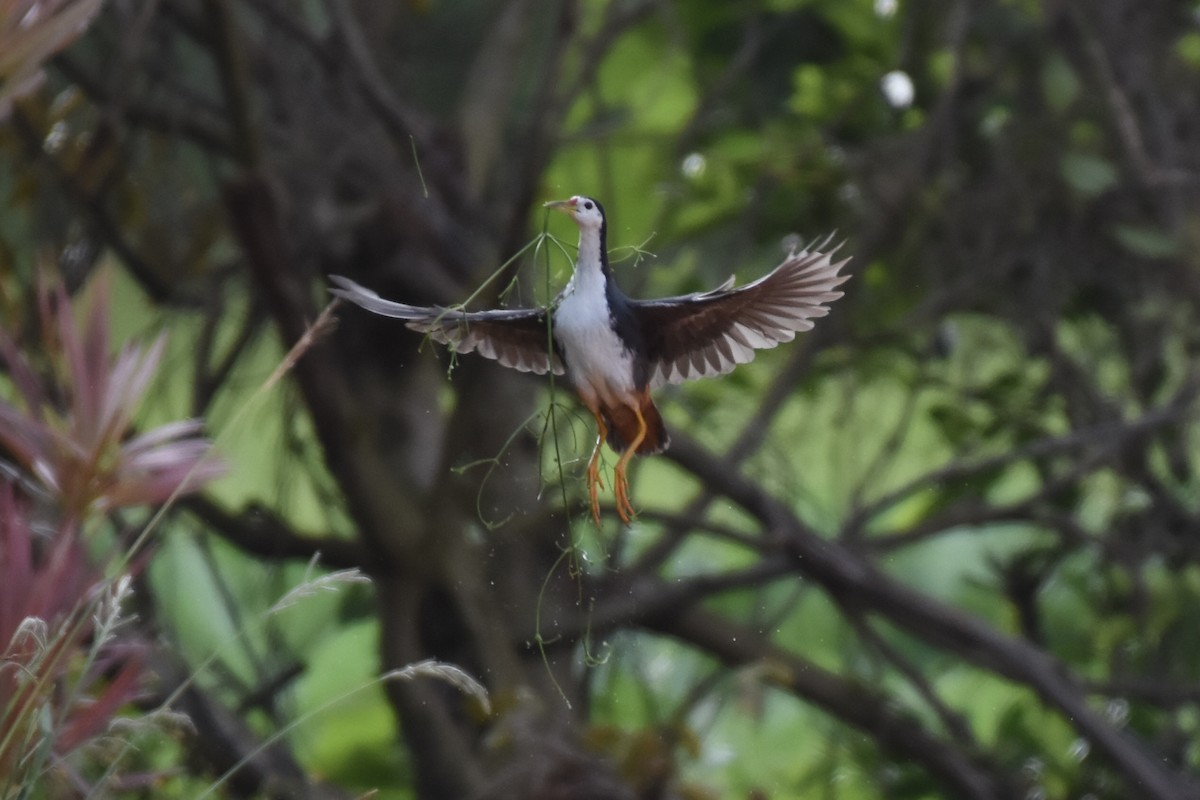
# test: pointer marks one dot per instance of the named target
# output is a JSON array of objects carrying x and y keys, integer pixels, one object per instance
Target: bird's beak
[{"x": 565, "y": 206}]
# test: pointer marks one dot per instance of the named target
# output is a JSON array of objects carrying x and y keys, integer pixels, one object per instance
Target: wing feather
[
  {"x": 710, "y": 333},
  {"x": 515, "y": 337}
]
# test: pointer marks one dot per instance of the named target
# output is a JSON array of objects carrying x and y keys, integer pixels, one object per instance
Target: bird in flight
[{"x": 614, "y": 349}]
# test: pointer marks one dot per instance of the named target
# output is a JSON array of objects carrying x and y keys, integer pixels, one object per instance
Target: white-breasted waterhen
[{"x": 614, "y": 349}]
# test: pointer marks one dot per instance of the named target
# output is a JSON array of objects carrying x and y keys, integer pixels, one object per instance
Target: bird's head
[{"x": 586, "y": 212}]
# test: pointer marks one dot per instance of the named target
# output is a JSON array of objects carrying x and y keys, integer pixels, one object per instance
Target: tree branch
[
  {"x": 1107, "y": 435},
  {"x": 854, "y": 581},
  {"x": 851, "y": 702},
  {"x": 259, "y": 531}
]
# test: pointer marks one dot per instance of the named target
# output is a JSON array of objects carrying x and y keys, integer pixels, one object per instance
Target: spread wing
[
  {"x": 516, "y": 337},
  {"x": 709, "y": 333}
]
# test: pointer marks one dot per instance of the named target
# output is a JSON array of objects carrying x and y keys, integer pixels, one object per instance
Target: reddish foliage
[
  {"x": 66, "y": 455},
  {"x": 47, "y": 629},
  {"x": 81, "y": 453}
]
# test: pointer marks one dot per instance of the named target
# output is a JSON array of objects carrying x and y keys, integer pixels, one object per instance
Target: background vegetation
[{"x": 944, "y": 546}]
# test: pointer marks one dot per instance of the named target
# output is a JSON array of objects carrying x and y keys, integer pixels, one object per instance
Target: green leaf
[
  {"x": 1188, "y": 49},
  {"x": 1141, "y": 240},
  {"x": 809, "y": 96},
  {"x": 942, "y": 64},
  {"x": 1059, "y": 83},
  {"x": 1088, "y": 174}
]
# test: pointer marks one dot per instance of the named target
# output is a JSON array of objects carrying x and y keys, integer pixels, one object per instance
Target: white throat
[{"x": 588, "y": 277}]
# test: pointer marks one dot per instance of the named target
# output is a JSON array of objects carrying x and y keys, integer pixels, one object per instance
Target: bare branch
[
  {"x": 1108, "y": 436},
  {"x": 854, "y": 581},
  {"x": 262, "y": 533},
  {"x": 404, "y": 122},
  {"x": 851, "y": 702}
]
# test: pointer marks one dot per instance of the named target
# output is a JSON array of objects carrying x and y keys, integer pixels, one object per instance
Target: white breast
[{"x": 598, "y": 362}]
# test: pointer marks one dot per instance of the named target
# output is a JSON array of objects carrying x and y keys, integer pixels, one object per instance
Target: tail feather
[{"x": 623, "y": 426}]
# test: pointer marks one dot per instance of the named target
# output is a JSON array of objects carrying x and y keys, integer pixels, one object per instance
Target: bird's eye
[{"x": 588, "y": 205}]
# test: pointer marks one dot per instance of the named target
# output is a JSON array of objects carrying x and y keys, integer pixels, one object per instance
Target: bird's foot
[
  {"x": 593, "y": 495},
  {"x": 620, "y": 482},
  {"x": 594, "y": 478},
  {"x": 595, "y": 484},
  {"x": 621, "y": 490}
]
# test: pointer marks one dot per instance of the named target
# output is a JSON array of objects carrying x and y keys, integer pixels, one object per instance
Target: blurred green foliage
[{"x": 1019, "y": 276}]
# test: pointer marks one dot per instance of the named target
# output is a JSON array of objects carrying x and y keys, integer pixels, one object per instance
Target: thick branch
[
  {"x": 851, "y": 702},
  {"x": 853, "y": 580},
  {"x": 1109, "y": 435},
  {"x": 381, "y": 511},
  {"x": 259, "y": 531}
]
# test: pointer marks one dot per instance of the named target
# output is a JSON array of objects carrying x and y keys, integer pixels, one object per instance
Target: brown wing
[
  {"x": 709, "y": 333},
  {"x": 518, "y": 338}
]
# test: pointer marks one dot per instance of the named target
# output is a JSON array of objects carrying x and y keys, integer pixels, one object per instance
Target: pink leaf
[
  {"x": 86, "y": 388},
  {"x": 91, "y": 720},
  {"x": 130, "y": 377},
  {"x": 161, "y": 435},
  {"x": 26, "y": 439}
]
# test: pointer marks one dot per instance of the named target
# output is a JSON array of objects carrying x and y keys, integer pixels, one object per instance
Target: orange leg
[
  {"x": 594, "y": 481},
  {"x": 621, "y": 483}
]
